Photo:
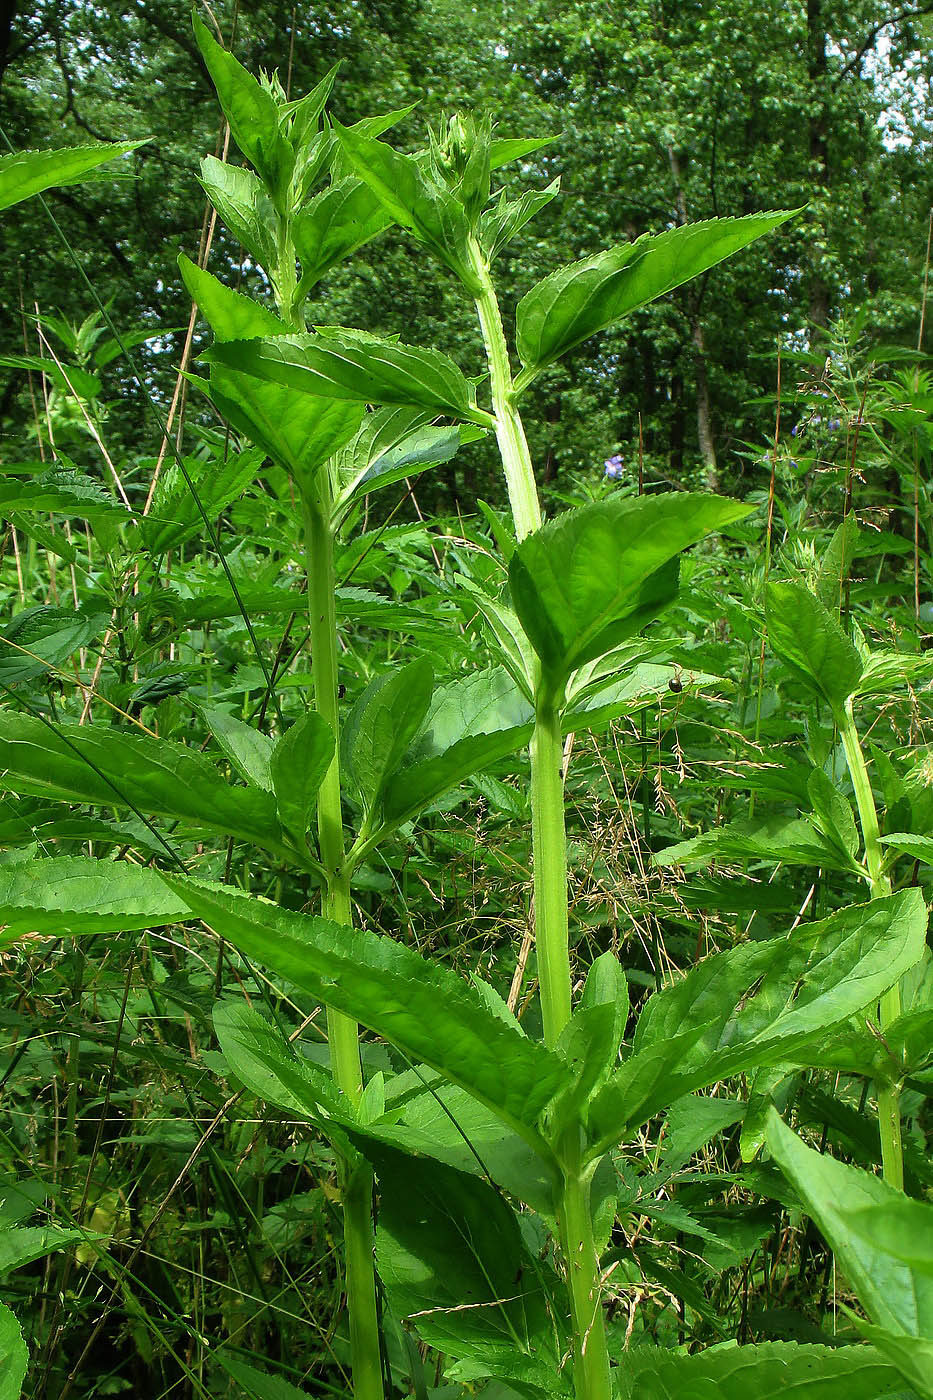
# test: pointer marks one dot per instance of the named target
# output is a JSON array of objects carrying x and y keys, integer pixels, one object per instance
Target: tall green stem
[
  {"x": 889, "y": 1110},
  {"x": 356, "y": 1178},
  {"x": 549, "y": 859}
]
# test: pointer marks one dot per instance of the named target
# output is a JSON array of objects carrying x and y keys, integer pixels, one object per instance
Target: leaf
[
  {"x": 61, "y": 491},
  {"x": 74, "y": 763},
  {"x": 834, "y": 816},
  {"x": 765, "y": 1003},
  {"x": 589, "y": 1043},
  {"x": 421, "y": 1007},
  {"x": 263, "y": 1060},
  {"x": 355, "y": 366},
  {"x": 583, "y": 582},
  {"x": 577, "y": 301},
  {"x": 40, "y": 639},
  {"x": 258, "y": 1385},
  {"x": 335, "y": 224},
  {"x": 381, "y": 726},
  {"x": 504, "y": 149},
  {"x": 31, "y": 1242},
  {"x": 692, "y": 1122},
  {"x": 14, "y": 1357},
  {"x": 917, "y": 847},
  {"x": 773, "y": 839},
  {"x": 300, "y": 760},
  {"x": 25, "y": 173},
  {"x": 175, "y": 517},
  {"x": 811, "y": 643},
  {"x": 896, "y": 1296},
  {"x": 248, "y": 749},
  {"x": 251, "y": 111},
  {"x": 240, "y": 199},
  {"x": 69, "y": 378},
  {"x": 756, "y": 1373},
  {"x": 411, "y": 198},
  {"x": 472, "y": 723},
  {"x": 913, "y": 1356},
  {"x": 230, "y": 314},
  {"x": 394, "y": 443},
  {"x": 72, "y": 895},
  {"x": 498, "y": 226},
  {"x": 901, "y": 1227},
  {"x": 452, "y": 1260}
]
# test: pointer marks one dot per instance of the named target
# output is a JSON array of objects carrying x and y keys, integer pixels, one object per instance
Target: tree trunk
[
  {"x": 701, "y": 379},
  {"x": 7, "y": 15},
  {"x": 819, "y": 157}
]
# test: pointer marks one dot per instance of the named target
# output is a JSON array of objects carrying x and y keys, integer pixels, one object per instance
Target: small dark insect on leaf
[
  {"x": 341, "y": 691},
  {"x": 675, "y": 683}
]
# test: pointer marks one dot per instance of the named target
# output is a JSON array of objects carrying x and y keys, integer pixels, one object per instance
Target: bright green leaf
[
  {"x": 811, "y": 643},
  {"x": 25, "y": 173},
  {"x": 300, "y": 760}
]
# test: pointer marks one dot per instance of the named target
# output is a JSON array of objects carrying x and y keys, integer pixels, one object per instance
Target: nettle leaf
[
  {"x": 175, "y": 517},
  {"x": 811, "y": 643},
  {"x": 248, "y": 749},
  {"x": 251, "y": 111},
  {"x": 240, "y": 198},
  {"x": 758, "y": 1372},
  {"x": 590, "y": 1041},
  {"x": 421, "y": 1007},
  {"x": 14, "y": 1356},
  {"x": 299, "y": 762},
  {"x": 69, "y": 378},
  {"x": 337, "y": 364},
  {"x": 71, "y": 895},
  {"x": 765, "y": 1003},
  {"x": 577, "y": 301},
  {"x": 230, "y": 314},
  {"x": 472, "y": 722},
  {"x": 381, "y": 726},
  {"x": 61, "y": 491},
  {"x": 452, "y": 1260},
  {"x": 772, "y": 839},
  {"x": 845, "y": 1202},
  {"x": 74, "y": 763},
  {"x": 271, "y": 1068},
  {"x": 335, "y": 224},
  {"x": 38, "y": 639},
  {"x": 411, "y": 198},
  {"x": 25, "y": 173},
  {"x": 834, "y": 815},
  {"x": 597, "y": 574}
]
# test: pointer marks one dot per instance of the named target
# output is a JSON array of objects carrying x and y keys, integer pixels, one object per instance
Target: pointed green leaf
[
  {"x": 504, "y": 149},
  {"x": 240, "y": 199},
  {"x": 230, "y": 314},
  {"x": 362, "y": 368},
  {"x": 758, "y": 1004},
  {"x": 175, "y": 517},
  {"x": 834, "y": 816},
  {"x": 71, "y": 895},
  {"x": 593, "y": 576},
  {"x": 760, "y": 1372},
  {"x": 61, "y": 491},
  {"x": 14, "y": 1357},
  {"x": 256, "y": 1384},
  {"x": 77, "y": 763},
  {"x": 421, "y": 1007},
  {"x": 248, "y": 749},
  {"x": 251, "y": 111},
  {"x": 912, "y": 1356},
  {"x": 772, "y": 839},
  {"x": 498, "y": 226},
  {"x": 300, "y": 760},
  {"x": 811, "y": 643},
  {"x": 411, "y": 198},
  {"x": 335, "y": 224},
  {"x": 395, "y": 443},
  {"x": 577, "y": 301},
  {"x": 25, "y": 173},
  {"x": 381, "y": 726},
  {"x": 39, "y": 639},
  {"x": 896, "y": 1295}
]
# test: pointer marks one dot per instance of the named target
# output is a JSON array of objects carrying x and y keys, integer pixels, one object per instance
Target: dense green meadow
[{"x": 466, "y": 687}]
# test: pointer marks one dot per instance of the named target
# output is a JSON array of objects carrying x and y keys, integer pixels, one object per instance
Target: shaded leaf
[
  {"x": 25, "y": 173},
  {"x": 299, "y": 762}
]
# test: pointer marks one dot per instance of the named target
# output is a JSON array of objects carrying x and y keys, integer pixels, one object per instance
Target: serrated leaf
[
  {"x": 381, "y": 726},
  {"x": 25, "y": 173},
  {"x": 230, "y": 314},
  {"x": 31, "y": 1242},
  {"x": 335, "y": 224},
  {"x": 14, "y": 1357},
  {"x": 175, "y": 517},
  {"x": 356, "y": 367},
  {"x": 60, "y": 492},
  {"x": 577, "y": 301},
  {"x": 758, "y": 1372},
  {"x": 73, "y": 895},
  {"x": 760, "y": 1004},
  {"x": 834, "y": 816},
  {"x": 299, "y": 762},
  {"x": 248, "y": 749},
  {"x": 587, "y": 580},
  {"x": 421, "y": 1007},
  {"x": 773, "y": 839},
  {"x": 39, "y": 639},
  {"x": 69, "y": 378},
  {"x": 498, "y": 226},
  {"x": 811, "y": 643},
  {"x": 240, "y": 199},
  {"x": 75, "y": 763}
]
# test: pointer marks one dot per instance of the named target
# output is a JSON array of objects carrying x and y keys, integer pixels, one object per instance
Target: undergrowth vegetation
[{"x": 471, "y": 954}]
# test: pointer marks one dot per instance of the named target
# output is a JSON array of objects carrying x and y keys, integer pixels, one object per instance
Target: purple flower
[
  {"x": 834, "y": 424},
  {"x": 613, "y": 466}
]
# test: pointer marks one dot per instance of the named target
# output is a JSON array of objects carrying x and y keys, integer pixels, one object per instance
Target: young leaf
[
  {"x": 772, "y": 839},
  {"x": 72, "y": 895},
  {"x": 271, "y": 1068},
  {"x": 411, "y": 198},
  {"x": 362, "y": 368},
  {"x": 421, "y": 1007},
  {"x": 758, "y": 1004},
  {"x": 175, "y": 517},
  {"x": 577, "y": 301},
  {"x": 381, "y": 726},
  {"x": 834, "y": 816},
  {"x": 394, "y": 443},
  {"x": 811, "y": 643},
  {"x": 299, "y": 762},
  {"x": 590, "y": 578},
  {"x": 498, "y": 226},
  {"x": 75, "y": 763},
  {"x": 251, "y": 111},
  {"x": 590, "y": 1041},
  {"x": 335, "y": 224},
  {"x": 759, "y": 1372},
  {"x": 844, "y": 1202},
  {"x": 240, "y": 198},
  {"x": 248, "y": 749},
  {"x": 25, "y": 173}
]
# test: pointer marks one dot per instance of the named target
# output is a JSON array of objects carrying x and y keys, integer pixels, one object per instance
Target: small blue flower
[
  {"x": 834, "y": 424},
  {"x": 613, "y": 466}
]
